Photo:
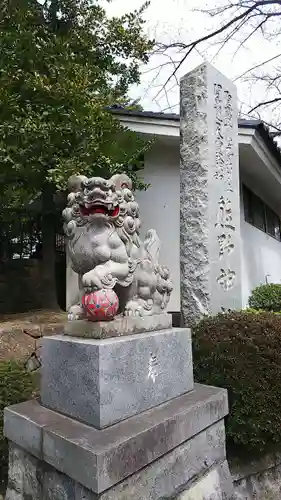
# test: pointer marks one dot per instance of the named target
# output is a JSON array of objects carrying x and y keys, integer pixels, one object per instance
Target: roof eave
[{"x": 256, "y": 125}]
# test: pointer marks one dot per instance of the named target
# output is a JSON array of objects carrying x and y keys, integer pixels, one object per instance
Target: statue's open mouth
[{"x": 99, "y": 209}]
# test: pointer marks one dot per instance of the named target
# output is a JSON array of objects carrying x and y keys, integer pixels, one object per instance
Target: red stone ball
[{"x": 101, "y": 305}]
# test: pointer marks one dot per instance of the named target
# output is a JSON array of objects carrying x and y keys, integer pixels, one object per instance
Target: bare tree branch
[
  {"x": 238, "y": 21},
  {"x": 259, "y": 26},
  {"x": 265, "y": 103},
  {"x": 256, "y": 67},
  {"x": 269, "y": 125},
  {"x": 245, "y": 16}
]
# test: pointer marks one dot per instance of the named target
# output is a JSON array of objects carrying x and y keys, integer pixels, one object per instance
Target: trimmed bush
[
  {"x": 266, "y": 297},
  {"x": 241, "y": 351},
  {"x": 16, "y": 385}
]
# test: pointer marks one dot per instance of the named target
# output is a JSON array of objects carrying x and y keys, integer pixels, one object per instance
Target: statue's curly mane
[{"x": 127, "y": 223}]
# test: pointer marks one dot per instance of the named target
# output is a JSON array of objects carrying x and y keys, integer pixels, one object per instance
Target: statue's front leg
[
  {"x": 76, "y": 310},
  {"x": 105, "y": 275}
]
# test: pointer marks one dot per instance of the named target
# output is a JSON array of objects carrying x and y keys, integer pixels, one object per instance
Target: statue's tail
[
  {"x": 152, "y": 246},
  {"x": 164, "y": 282}
]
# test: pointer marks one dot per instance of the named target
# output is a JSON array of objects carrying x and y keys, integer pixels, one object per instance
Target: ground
[
  {"x": 20, "y": 337},
  {"x": 20, "y": 334}
]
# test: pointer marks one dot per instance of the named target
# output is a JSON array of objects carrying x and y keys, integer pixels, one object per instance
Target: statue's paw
[
  {"x": 73, "y": 317},
  {"x": 134, "y": 308},
  {"x": 91, "y": 282},
  {"x": 134, "y": 312},
  {"x": 98, "y": 279},
  {"x": 75, "y": 312}
]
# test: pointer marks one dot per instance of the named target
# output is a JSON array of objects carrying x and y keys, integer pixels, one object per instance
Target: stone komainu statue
[{"x": 102, "y": 228}]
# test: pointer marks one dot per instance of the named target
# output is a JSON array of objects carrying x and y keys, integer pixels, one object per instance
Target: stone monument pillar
[
  {"x": 119, "y": 416},
  {"x": 210, "y": 251}
]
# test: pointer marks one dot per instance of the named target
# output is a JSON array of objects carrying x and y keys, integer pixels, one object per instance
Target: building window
[
  {"x": 260, "y": 215},
  {"x": 272, "y": 223},
  {"x": 247, "y": 205}
]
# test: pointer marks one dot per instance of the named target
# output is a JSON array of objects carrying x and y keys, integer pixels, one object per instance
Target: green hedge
[
  {"x": 241, "y": 351},
  {"x": 266, "y": 297},
  {"x": 16, "y": 385}
]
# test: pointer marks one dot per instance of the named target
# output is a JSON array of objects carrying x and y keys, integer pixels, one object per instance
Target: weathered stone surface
[
  {"x": 57, "y": 486},
  {"x": 23, "y": 425},
  {"x": 120, "y": 326},
  {"x": 25, "y": 478},
  {"x": 200, "y": 460},
  {"x": 257, "y": 479},
  {"x": 101, "y": 382},
  {"x": 13, "y": 495},
  {"x": 43, "y": 482},
  {"x": 82, "y": 493},
  {"x": 210, "y": 252},
  {"x": 163, "y": 478},
  {"x": 215, "y": 485},
  {"x": 170, "y": 475},
  {"x": 108, "y": 456}
]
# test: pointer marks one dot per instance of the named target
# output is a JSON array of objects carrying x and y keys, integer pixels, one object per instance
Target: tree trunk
[{"x": 49, "y": 293}]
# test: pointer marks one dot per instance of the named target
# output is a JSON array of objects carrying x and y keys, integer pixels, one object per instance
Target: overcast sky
[{"x": 176, "y": 20}]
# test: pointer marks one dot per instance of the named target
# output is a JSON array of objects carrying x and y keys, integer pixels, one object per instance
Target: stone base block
[
  {"x": 215, "y": 484},
  {"x": 101, "y": 382},
  {"x": 150, "y": 456},
  {"x": 120, "y": 326},
  {"x": 32, "y": 479}
]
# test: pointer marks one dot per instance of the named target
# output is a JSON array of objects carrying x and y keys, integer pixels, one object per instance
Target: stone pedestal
[
  {"x": 122, "y": 325},
  {"x": 154, "y": 455},
  {"x": 119, "y": 418},
  {"x": 100, "y": 382}
]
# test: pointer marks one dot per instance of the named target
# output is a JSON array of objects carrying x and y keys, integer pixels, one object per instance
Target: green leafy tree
[{"x": 63, "y": 63}]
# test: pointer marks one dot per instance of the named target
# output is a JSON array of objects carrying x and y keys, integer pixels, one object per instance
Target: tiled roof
[
  {"x": 146, "y": 114},
  {"x": 264, "y": 132},
  {"x": 258, "y": 125}
]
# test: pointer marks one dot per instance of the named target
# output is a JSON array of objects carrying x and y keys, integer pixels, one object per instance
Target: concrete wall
[
  {"x": 160, "y": 208},
  {"x": 261, "y": 253}
]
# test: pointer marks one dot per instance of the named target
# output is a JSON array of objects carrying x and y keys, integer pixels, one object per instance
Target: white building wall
[
  {"x": 160, "y": 208},
  {"x": 261, "y": 256}
]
